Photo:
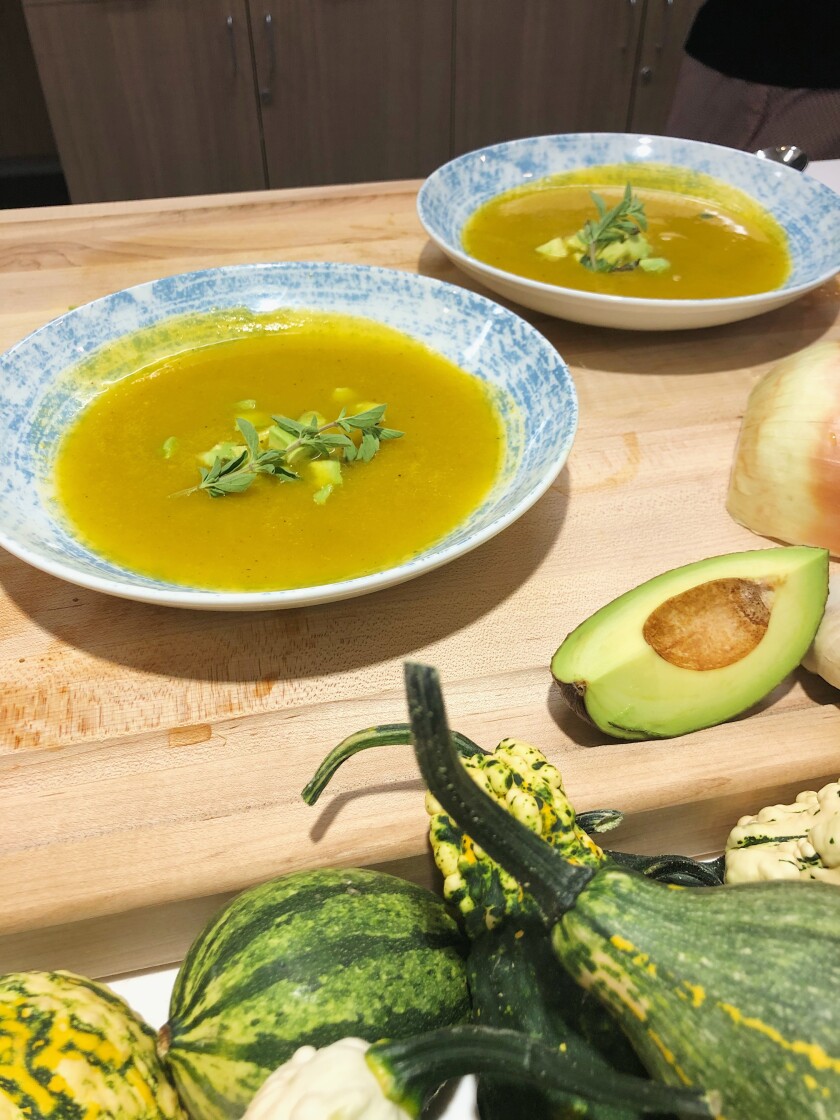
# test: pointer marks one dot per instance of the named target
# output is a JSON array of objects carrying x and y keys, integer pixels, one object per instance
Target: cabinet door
[
  {"x": 532, "y": 67},
  {"x": 24, "y": 126},
  {"x": 353, "y": 90},
  {"x": 149, "y": 97},
  {"x": 667, "y": 24}
]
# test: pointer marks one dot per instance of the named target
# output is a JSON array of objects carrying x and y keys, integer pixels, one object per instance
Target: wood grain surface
[{"x": 150, "y": 758}]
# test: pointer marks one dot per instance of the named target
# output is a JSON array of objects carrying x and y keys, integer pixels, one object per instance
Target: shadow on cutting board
[{"x": 289, "y": 644}]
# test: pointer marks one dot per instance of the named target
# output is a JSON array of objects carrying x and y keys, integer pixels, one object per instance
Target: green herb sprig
[
  {"x": 312, "y": 437},
  {"x": 235, "y": 474},
  {"x": 626, "y": 219}
]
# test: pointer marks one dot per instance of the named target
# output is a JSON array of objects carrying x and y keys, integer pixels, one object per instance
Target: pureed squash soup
[
  {"x": 716, "y": 241},
  {"x": 128, "y": 473}
]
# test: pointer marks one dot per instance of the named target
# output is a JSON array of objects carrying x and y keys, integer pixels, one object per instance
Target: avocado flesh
[{"x": 609, "y": 672}]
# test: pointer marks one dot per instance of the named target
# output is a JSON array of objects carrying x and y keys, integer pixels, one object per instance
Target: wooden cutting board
[{"x": 151, "y": 759}]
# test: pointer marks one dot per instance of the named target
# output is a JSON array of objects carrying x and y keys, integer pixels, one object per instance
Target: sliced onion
[{"x": 785, "y": 480}]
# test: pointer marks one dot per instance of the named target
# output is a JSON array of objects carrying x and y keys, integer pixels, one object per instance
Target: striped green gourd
[
  {"x": 732, "y": 989},
  {"x": 308, "y": 959},
  {"x": 71, "y": 1049}
]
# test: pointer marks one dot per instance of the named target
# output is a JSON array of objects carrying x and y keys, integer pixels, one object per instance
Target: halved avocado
[{"x": 696, "y": 645}]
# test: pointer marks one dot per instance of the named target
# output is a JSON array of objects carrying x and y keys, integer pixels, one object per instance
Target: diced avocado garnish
[
  {"x": 343, "y": 395},
  {"x": 225, "y": 449},
  {"x": 278, "y": 440},
  {"x": 555, "y": 249},
  {"x": 169, "y": 447},
  {"x": 655, "y": 264},
  {"x": 628, "y": 251},
  {"x": 326, "y": 474},
  {"x": 248, "y": 405}
]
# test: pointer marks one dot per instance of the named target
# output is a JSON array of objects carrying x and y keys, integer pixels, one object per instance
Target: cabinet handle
[
  {"x": 231, "y": 32},
  {"x": 631, "y": 4},
  {"x": 267, "y": 91}
]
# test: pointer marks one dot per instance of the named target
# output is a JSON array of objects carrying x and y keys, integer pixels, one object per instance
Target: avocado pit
[{"x": 711, "y": 625}]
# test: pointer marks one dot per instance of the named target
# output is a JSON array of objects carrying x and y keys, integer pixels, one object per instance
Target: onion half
[{"x": 785, "y": 480}]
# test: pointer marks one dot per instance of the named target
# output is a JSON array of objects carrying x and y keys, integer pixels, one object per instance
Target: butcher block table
[{"x": 151, "y": 758}]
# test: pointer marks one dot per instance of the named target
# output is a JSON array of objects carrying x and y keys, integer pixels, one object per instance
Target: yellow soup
[
  {"x": 126, "y": 471},
  {"x": 718, "y": 241}
]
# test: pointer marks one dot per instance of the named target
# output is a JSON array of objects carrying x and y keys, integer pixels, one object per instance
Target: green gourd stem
[
  {"x": 682, "y": 870},
  {"x": 410, "y": 1069},
  {"x": 385, "y": 735},
  {"x": 551, "y": 880}
]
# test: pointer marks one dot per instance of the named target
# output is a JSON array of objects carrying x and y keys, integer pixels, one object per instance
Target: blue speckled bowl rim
[
  {"x": 457, "y": 253},
  {"x": 426, "y": 561}
]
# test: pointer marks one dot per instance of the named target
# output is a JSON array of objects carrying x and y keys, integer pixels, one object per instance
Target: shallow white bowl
[
  {"x": 38, "y": 400},
  {"x": 808, "y": 211}
]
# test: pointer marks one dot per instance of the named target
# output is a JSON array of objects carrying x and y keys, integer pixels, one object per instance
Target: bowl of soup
[
  {"x": 274, "y": 435},
  {"x": 636, "y": 232}
]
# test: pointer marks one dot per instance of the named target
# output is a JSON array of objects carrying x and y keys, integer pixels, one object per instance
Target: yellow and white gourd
[
  {"x": 798, "y": 841},
  {"x": 333, "y": 1083}
]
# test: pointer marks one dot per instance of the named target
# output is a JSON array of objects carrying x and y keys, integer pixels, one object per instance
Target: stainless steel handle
[
  {"x": 231, "y": 31},
  {"x": 267, "y": 91},
  {"x": 631, "y": 5}
]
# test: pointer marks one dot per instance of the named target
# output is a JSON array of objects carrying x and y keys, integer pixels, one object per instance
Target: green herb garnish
[
  {"x": 286, "y": 441},
  {"x": 625, "y": 220},
  {"x": 615, "y": 242}
]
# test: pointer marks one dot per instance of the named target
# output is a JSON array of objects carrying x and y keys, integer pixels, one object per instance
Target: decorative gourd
[
  {"x": 733, "y": 989},
  {"x": 515, "y": 980},
  {"x": 798, "y": 841},
  {"x": 71, "y": 1048},
  {"x": 308, "y": 959}
]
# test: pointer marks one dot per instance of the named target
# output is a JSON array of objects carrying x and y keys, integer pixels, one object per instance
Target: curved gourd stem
[
  {"x": 409, "y": 1069},
  {"x": 385, "y": 735},
  {"x": 678, "y": 869},
  {"x": 681, "y": 870},
  {"x": 548, "y": 877}
]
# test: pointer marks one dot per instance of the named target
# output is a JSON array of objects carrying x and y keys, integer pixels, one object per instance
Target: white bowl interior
[{"x": 44, "y": 384}]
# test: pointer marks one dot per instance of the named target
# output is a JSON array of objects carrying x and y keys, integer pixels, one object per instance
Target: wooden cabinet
[
  {"x": 353, "y": 89},
  {"x": 169, "y": 97},
  {"x": 532, "y": 67},
  {"x": 149, "y": 97},
  {"x": 667, "y": 23},
  {"x": 25, "y": 132}
]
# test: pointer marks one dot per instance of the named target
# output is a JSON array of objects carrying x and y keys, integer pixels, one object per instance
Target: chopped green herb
[{"x": 234, "y": 467}]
